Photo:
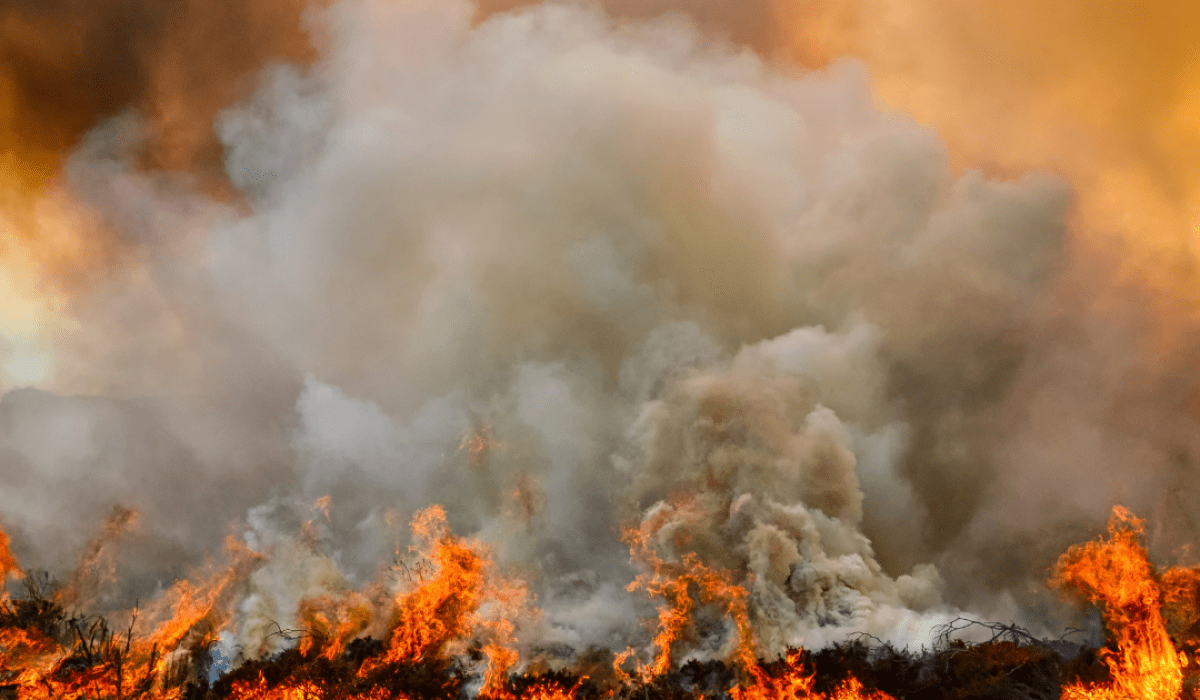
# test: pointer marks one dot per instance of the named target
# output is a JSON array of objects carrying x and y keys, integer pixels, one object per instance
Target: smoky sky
[{"x": 65, "y": 65}]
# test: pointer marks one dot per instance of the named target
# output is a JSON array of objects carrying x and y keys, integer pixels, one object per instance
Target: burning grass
[{"x": 451, "y": 625}]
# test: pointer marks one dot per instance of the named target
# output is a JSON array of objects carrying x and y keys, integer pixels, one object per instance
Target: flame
[
  {"x": 20, "y": 647},
  {"x": 459, "y": 596},
  {"x": 8, "y": 563},
  {"x": 795, "y": 683},
  {"x": 478, "y": 444},
  {"x": 444, "y": 604},
  {"x": 194, "y": 605},
  {"x": 684, "y": 583},
  {"x": 97, "y": 567},
  {"x": 453, "y": 596},
  {"x": 1117, "y": 575},
  {"x": 546, "y": 690},
  {"x": 309, "y": 690},
  {"x": 450, "y": 594},
  {"x": 306, "y": 690},
  {"x": 333, "y": 622},
  {"x": 100, "y": 662}
]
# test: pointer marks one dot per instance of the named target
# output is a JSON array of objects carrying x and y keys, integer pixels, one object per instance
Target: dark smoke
[{"x": 65, "y": 65}]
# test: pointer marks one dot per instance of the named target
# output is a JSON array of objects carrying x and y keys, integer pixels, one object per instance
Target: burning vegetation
[
  {"x": 449, "y": 621},
  {"x": 730, "y": 385}
]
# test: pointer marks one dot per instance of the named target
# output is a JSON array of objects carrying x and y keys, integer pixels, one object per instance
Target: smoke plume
[{"x": 565, "y": 272}]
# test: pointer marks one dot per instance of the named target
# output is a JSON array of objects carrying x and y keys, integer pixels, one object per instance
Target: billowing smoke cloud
[
  {"x": 1106, "y": 97},
  {"x": 563, "y": 273}
]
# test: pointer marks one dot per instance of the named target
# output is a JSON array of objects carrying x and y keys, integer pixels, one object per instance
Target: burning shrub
[{"x": 451, "y": 625}]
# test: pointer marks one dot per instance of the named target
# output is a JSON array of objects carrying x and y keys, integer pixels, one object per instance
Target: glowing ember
[
  {"x": 796, "y": 684},
  {"x": 552, "y": 264},
  {"x": 307, "y": 690}
]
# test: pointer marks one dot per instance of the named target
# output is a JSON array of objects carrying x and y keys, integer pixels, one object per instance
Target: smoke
[
  {"x": 753, "y": 23},
  {"x": 1105, "y": 95},
  {"x": 565, "y": 273},
  {"x": 67, "y": 65}
]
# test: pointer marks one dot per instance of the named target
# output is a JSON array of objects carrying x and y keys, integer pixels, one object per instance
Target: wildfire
[
  {"x": 451, "y": 603},
  {"x": 97, "y": 567},
  {"x": 307, "y": 690},
  {"x": 686, "y": 582},
  {"x": 47, "y": 655},
  {"x": 794, "y": 683},
  {"x": 681, "y": 583},
  {"x": 450, "y": 595},
  {"x": 445, "y": 606},
  {"x": 1117, "y": 575},
  {"x": 8, "y": 564}
]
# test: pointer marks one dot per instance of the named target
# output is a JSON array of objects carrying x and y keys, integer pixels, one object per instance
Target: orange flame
[
  {"x": 451, "y": 595},
  {"x": 333, "y": 622},
  {"x": 8, "y": 563},
  {"x": 1117, "y": 575},
  {"x": 675, "y": 581},
  {"x": 458, "y": 595},
  {"x": 794, "y": 683},
  {"x": 686, "y": 582},
  {"x": 102, "y": 663},
  {"x": 440, "y": 609},
  {"x": 305, "y": 690},
  {"x": 97, "y": 567}
]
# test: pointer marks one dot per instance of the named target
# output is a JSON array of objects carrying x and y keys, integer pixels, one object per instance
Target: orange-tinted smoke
[
  {"x": 65, "y": 66},
  {"x": 1103, "y": 92}
]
